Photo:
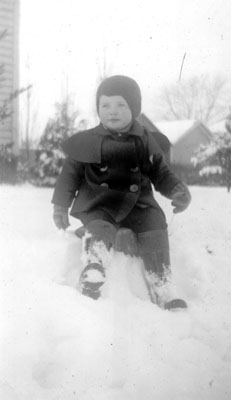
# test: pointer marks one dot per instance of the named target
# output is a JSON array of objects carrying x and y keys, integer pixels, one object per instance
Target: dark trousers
[
  {"x": 149, "y": 225},
  {"x": 138, "y": 220}
]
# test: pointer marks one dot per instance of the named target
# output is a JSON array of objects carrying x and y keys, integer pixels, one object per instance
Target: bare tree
[
  {"x": 104, "y": 64},
  {"x": 198, "y": 98}
]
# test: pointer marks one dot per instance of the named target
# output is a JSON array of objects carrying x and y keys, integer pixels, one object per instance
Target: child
[{"x": 108, "y": 174}]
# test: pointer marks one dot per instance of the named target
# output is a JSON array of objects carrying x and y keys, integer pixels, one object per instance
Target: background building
[
  {"x": 185, "y": 137},
  {"x": 9, "y": 71}
]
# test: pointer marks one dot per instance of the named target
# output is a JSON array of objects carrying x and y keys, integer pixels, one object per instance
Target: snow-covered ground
[{"x": 57, "y": 344}]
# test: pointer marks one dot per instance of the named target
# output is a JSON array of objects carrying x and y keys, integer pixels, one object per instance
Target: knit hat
[{"x": 119, "y": 85}]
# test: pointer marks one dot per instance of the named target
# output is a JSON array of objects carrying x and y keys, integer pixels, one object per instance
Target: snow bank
[{"x": 57, "y": 344}]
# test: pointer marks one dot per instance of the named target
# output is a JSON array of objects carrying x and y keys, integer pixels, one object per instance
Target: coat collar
[
  {"x": 86, "y": 146},
  {"x": 135, "y": 130}
]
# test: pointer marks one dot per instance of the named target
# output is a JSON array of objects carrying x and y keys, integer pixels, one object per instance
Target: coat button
[
  {"x": 104, "y": 185},
  {"x": 104, "y": 169},
  {"x": 134, "y": 188},
  {"x": 134, "y": 169}
]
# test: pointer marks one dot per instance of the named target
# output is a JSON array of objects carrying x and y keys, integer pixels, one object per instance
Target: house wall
[
  {"x": 9, "y": 63},
  {"x": 183, "y": 150}
]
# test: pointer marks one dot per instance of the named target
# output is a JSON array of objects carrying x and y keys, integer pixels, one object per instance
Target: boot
[
  {"x": 99, "y": 237},
  {"x": 91, "y": 280},
  {"x": 154, "y": 250}
]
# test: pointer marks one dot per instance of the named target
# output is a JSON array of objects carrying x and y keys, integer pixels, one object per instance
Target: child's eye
[{"x": 105, "y": 105}]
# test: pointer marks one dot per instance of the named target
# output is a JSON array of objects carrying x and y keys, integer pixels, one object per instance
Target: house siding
[
  {"x": 9, "y": 64},
  {"x": 184, "y": 149}
]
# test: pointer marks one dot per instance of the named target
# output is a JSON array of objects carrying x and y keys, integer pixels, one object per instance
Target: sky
[{"x": 63, "y": 44}]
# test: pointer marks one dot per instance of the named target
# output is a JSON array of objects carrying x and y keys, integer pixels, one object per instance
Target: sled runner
[{"x": 93, "y": 276}]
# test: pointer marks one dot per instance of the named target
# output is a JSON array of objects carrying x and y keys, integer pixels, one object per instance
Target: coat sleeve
[
  {"x": 68, "y": 182},
  {"x": 161, "y": 176}
]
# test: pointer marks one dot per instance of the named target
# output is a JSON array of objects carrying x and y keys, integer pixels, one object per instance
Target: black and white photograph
[{"x": 115, "y": 200}]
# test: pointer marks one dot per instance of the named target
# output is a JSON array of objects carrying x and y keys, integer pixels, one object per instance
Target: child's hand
[
  {"x": 181, "y": 197},
  {"x": 60, "y": 217}
]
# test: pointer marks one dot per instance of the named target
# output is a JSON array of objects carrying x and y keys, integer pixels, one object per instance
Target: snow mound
[{"x": 58, "y": 344}]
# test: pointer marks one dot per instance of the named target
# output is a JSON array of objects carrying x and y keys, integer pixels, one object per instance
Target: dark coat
[{"x": 112, "y": 171}]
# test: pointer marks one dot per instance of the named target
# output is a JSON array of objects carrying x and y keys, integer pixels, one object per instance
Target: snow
[
  {"x": 210, "y": 170},
  {"x": 57, "y": 344}
]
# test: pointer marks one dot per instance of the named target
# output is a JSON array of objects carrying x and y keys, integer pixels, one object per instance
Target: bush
[
  {"x": 207, "y": 176},
  {"x": 49, "y": 155}
]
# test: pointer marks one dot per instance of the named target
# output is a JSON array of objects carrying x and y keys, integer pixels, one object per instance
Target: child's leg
[
  {"x": 154, "y": 250},
  {"x": 99, "y": 237},
  {"x": 150, "y": 226},
  {"x": 99, "y": 226}
]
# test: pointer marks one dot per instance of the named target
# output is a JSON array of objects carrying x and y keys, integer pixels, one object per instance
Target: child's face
[{"x": 114, "y": 112}]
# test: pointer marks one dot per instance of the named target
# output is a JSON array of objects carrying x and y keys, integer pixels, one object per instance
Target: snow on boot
[
  {"x": 97, "y": 239},
  {"x": 95, "y": 257},
  {"x": 154, "y": 250},
  {"x": 151, "y": 282},
  {"x": 160, "y": 292},
  {"x": 91, "y": 280}
]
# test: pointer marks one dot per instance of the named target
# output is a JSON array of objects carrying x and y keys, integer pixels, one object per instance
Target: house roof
[{"x": 175, "y": 130}]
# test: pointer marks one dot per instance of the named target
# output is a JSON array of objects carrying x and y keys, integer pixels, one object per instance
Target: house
[
  {"x": 9, "y": 70},
  {"x": 185, "y": 137}
]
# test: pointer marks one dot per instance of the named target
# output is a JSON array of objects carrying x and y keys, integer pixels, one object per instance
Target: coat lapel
[{"x": 86, "y": 146}]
